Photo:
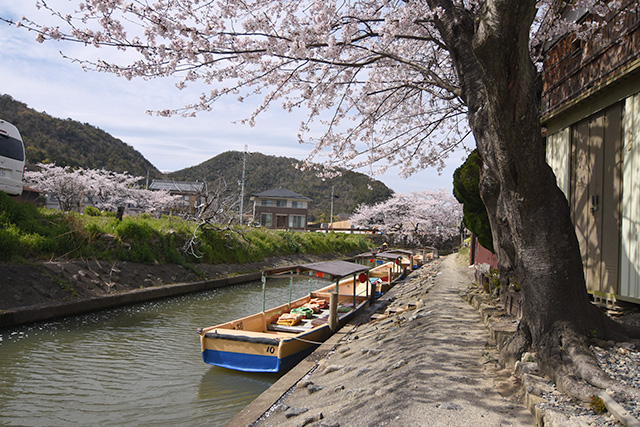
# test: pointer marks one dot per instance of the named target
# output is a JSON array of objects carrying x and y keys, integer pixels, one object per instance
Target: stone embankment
[{"x": 550, "y": 407}]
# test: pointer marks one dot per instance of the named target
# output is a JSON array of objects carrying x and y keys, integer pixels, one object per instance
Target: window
[
  {"x": 576, "y": 48},
  {"x": 265, "y": 219},
  {"x": 298, "y": 205},
  {"x": 296, "y": 221},
  {"x": 11, "y": 148},
  {"x": 266, "y": 203},
  {"x": 281, "y": 203}
]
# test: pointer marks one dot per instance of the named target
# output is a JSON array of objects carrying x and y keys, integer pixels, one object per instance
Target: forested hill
[
  {"x": 268, "y": 172},
  {"x": 67, "y": 142}
]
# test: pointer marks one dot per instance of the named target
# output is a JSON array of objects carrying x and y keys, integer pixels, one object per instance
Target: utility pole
[
  {"x": 244, "y": 166},
  {"x": 331, "y": 217}
]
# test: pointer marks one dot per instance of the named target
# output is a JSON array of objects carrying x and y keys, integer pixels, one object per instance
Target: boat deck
[{"x": 304, "y": 325}]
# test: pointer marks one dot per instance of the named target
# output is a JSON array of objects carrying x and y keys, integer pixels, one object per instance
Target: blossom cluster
[
  {"x": 428, "y": 217},
  {"x": 108, "y": 190},
  {"x": 375, "y": 76}
]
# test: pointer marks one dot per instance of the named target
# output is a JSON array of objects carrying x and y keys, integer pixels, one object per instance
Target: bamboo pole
[
  {"x": 354, "y": 290},
  {"x": 372, "y": 294},
  {"x": 290, "y": 287},
  {"x": 264, "y": 281}
]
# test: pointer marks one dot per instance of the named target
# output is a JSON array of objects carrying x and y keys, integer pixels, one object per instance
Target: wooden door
[
  {"x": 281, "y": 221},
  {"x": 595, "y": 200}
]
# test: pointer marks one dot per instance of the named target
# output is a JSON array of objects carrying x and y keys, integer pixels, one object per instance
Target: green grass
[{"x": 27, "y": 232}]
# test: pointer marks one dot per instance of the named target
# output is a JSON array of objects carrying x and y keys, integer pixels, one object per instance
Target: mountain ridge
[
  {"x": 67, "y": 142},
  {"x": 350, "y": 189}
]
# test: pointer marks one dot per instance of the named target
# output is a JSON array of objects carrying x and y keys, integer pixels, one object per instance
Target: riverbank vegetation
[{"x": 28, "y": 232}]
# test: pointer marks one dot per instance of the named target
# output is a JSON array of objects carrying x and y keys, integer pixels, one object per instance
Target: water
[{"x": 137, "y": 365}]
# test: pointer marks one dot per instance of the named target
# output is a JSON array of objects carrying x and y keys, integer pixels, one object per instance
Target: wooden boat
[
  {"x": 409, "y": 259},
  {"x": 387, "y": 268},
  {"x": 275, "y": 340}
]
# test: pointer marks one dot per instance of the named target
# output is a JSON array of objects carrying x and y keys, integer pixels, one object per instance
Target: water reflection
[
  {"x": 230, "y": 388},
  {"x": 136, "y": 365}
]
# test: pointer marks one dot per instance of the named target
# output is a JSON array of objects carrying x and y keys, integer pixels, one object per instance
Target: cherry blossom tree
[
  {"x": 218, "y": 212},
  {"x": 391, "y": 82},
  {"x": 65, "y": 184},
  {"x": 107, "y": 189},
  {"x": 423, "y": 218},
  {"x": 155, "y": 202},
  {"x": 110, "y": 189}
]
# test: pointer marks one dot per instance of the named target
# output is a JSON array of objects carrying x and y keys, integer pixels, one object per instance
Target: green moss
[
  {"x": 465, "y": 189},
  {"x": 597, "y": 404}
]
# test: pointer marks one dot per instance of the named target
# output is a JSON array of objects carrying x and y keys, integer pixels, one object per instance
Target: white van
[{"x": 11, "y": 159}]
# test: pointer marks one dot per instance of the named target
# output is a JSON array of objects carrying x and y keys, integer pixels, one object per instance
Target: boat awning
[
  {"x": 366, "y": 255},
  {"x": 334, "y": 269},
  {"x": 399, "y": 251},
  {"x": 388, "y": 255}
]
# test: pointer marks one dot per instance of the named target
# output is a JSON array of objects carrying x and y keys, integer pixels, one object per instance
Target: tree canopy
[{"x": 109, "y": 190}]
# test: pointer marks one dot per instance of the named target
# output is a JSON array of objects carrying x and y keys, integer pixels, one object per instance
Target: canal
[{"x": 136, "y": 365}]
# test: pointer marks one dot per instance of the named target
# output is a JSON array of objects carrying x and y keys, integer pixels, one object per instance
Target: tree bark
[{"x": 529, "y": 214}]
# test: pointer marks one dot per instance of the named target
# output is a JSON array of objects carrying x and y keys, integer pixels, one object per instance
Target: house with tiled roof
[
  {"x": 191, "y": 193},
  {"x": 281, "y": 209}
]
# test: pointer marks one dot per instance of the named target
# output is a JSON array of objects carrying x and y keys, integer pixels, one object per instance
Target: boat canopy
[
  {"x": 381, "y": 255},
  {"x": 399, "y": 251},
  {"x": 366, "y": 255},
  {"x": 335, "y": 269},
  {"x": 388, "y": 255}
]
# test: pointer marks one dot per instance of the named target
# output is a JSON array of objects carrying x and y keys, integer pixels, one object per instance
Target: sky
[{"x": 39, "y": 76}]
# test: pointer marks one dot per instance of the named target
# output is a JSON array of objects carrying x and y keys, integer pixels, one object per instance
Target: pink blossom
[
  {"x": 428, "y": 217},
  {"x": 375, "y": 77}
]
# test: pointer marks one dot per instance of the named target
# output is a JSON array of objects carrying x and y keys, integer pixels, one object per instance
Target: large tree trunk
[{"x": 529, "y": 214}]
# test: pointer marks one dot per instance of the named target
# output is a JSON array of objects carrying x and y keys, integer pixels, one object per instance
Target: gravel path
[{"x": 425, "y": 364}]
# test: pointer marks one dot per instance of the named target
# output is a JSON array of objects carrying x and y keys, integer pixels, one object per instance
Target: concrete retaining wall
[{"x": 39, "y": 313}]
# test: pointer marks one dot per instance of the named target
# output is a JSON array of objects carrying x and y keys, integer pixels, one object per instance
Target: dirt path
[{"x": 427, "y": 364}]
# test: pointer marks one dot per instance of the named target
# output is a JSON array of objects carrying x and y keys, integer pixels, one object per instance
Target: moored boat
[
  {"x": 415, "y": 258},
  {"x": 386, "y": 269},
  {"x": 276, "y": 339}
]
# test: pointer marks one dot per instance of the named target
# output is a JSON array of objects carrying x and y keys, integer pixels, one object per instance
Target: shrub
[
  {"x": 140, "y": 252},
  {"x": 597, "y": 404},
  {"x": 92, "y": 211},
  {"x": 23, "y": 215},
  {"x": 28, "y": 231},
  {"x": 9, "y": 243},
  {"x": 465, "y": 190},
  {"x": 291, "y": 244},
  {"x": 130, "y": 229}
]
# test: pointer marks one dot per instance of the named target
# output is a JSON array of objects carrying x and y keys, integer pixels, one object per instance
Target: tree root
[{"x": 564, "y": 357}]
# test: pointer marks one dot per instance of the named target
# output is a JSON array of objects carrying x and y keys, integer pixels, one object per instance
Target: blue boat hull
[{"x": 253, "y": 362}]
